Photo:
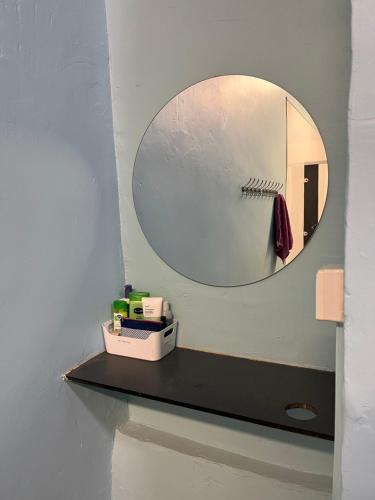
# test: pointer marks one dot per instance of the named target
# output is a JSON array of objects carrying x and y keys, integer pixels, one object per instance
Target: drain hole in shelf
[{"x": 301, "y": 411}]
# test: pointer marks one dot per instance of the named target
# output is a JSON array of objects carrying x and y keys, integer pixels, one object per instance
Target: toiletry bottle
[
  {"x": 152, "y": 308},
  {"x": 120, "y": 311},
  {"x": 167, "y": 317},
  {"x": 135, "y": 304},
  {"x": 127, "y": 289},
  {"x": 135, "y": 309},
  {"x": 134, "y": 295}
]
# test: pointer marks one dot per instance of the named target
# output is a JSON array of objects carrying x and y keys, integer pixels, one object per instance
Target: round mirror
[{"x": 230, "y": 180}]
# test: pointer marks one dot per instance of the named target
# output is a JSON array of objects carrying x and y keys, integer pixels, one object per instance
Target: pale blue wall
[
  {"x": 60, "y": 254},
  {"x": 161, "y": 47}
]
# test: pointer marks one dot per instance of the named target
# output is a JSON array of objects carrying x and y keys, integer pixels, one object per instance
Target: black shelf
[{"x": 253, "y": 391}]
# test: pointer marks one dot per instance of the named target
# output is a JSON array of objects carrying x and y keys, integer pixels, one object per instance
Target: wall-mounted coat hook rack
[{"x": 259, "y": 188}]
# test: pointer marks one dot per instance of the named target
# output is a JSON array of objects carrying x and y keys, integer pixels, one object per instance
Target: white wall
[
  {"x": 358, "y": 478},
  {"x": 305, "y": 145},
  {"x": 60, "y": 254}
]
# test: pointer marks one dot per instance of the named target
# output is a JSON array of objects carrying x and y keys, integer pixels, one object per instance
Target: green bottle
[
  {"x": 138, "y": 295},
  {"x": 135, "y": 304},
  {"x": 120, "y": 311}
]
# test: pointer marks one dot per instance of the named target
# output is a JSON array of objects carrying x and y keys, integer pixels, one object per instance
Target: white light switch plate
[{"x": 330, "y": 295}]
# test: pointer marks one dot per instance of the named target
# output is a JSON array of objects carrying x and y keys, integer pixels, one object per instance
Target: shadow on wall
[
  {"x": 109, "y": 410},
  {"x": 157, "y": 412}
]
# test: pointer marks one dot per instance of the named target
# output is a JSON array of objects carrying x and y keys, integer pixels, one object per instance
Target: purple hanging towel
[{"x": 283, "y": 238}]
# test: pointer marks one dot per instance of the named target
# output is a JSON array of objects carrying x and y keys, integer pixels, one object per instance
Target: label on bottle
[{"x": 117, "y": 317}]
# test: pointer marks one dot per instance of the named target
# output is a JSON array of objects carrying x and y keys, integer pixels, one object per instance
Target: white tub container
[{"x": 141, "y": 344}]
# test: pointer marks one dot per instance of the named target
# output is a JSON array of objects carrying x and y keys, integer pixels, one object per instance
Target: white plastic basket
[{"x": 141, "y": 344}]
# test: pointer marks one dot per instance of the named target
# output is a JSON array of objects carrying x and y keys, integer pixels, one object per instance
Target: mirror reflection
[{"x": 230, "y": 180}]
